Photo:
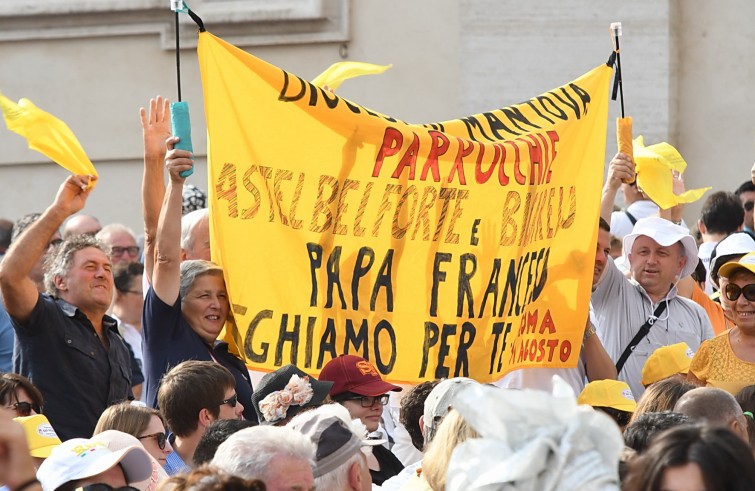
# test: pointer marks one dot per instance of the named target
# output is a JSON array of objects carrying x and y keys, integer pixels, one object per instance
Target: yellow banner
[{"x": 458, "y": 248}]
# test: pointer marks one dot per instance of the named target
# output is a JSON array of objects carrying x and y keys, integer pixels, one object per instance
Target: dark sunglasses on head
[
  {"x": 369, "y": 401},
  {"x": 231, "y": 401},
  {"x": 749, "y": 205},
  {"x": 160, "y": 437},
  {"x": 733, "y": 292},
  {"x": 25, "y": 408}
]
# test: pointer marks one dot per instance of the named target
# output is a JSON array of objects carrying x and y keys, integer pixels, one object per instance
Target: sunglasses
[
  {"x": 119, "y": 251},
  {"x": 231, "y": 401},
  {"x": 733, "y": 292},
  {"x": 160, "y": 437},
  {"x": 749, "y": 205},
  {"x": 25, "y": 408},
  {"x": 369, "y": 401}
]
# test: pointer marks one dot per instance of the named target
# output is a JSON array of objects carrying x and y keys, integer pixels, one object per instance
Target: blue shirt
[{"x": 174, "y": 464}]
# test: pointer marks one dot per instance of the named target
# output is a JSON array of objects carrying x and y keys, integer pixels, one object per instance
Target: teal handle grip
[{"x": 180, "y": 125}]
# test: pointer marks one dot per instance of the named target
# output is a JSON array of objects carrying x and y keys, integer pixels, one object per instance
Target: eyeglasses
[
  {"x": 231, "y": 401},
  {"x": 161, "y": 438},
  {"x": 749, "y": 205},
  {"x": 369, "y": 401},
  {"x": 119, "y": 251},
  {"x": 733, "y": 292},
  {"x": 25, "y": 408}
]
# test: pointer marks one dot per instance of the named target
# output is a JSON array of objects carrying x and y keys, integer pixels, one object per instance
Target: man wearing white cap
[
  {"x": 342, "y": 448},
  {"x": 637, "y": 316}
]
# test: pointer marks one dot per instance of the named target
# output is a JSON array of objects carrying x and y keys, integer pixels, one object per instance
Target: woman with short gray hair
[{"x": 187, "y": 305}]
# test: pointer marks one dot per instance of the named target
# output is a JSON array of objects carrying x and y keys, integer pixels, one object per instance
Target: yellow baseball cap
[
  {"x": 608, "y": 393},
  {"x": 40, "y": 435},
  {"x": 667, "y": 361},
  {"x": 746, "y": 262}
]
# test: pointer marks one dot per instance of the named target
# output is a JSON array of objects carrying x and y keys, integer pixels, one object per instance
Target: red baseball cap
[{"x": 351, "y": 373}]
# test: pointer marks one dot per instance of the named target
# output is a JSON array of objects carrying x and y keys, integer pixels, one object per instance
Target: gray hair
[
  {"x": 60, "y": 258},
  {"x": 105, "y": 231},
  {"x": 248, "y": 453},
  {"x": 192, "y": 269},
  {"x": 188, "y": 222},
  {"x": 338, "y": 478}
]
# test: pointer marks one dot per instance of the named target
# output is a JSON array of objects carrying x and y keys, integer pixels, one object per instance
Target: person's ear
[
  {"x": 682, "y": 263},
  {"x": 355, "y": 476},
  {"x": 701, "y": 227},
  {"x": 60, "y": 282},
  {"x": 205, "y": 417},
  {"x": 739, "y": 427},
  {"x": 422, "y": 424}
]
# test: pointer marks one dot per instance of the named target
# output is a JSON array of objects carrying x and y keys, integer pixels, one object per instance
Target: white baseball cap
[
  {"x": 736, "y": 244},
  {"x": 439, "y": 401},
  {"x": 665, "y": 233},
  {"x": 79, "y": 458}
]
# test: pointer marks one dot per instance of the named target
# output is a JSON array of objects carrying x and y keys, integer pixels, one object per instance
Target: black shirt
[
  {"x": 59, "y": 351},
  {"x": 390, "y": 465}
]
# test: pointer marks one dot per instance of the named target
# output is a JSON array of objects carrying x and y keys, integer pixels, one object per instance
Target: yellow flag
[
  {"x": 47, "y": 134},
  {"x": 337, "y": 73},
  {"x": 464, "y": 247},
  {"x": 654, "y": 166}
]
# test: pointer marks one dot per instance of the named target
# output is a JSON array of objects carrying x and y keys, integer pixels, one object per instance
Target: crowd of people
[{"x": 114, "y": 376}]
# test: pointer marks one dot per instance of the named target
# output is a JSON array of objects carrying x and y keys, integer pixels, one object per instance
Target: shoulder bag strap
[{"x": 644, "y": 330}]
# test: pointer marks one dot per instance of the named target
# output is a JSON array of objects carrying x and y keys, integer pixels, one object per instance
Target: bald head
[
  {"x": 715, "y": 407},
  {"x": 81, "y": 224}
]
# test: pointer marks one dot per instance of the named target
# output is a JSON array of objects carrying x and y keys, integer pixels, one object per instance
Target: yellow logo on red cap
[{"x": 366, "y": 368}]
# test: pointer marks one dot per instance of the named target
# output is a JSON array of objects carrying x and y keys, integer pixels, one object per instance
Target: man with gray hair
[
  {"x": 195, "y": 235},
  {"x": 122, "y": 243},
  {"x": 65, "y": 342},
  {"x": 280, "y": 456},
  {"x": 342, "y": 448},
  {"x": 714, "y": 406}
]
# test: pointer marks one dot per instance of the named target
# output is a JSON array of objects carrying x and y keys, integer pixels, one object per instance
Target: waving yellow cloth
[
  {"x": 337, "y": 73},
  {"x": 47, "y": 134},
  {"x": 654, "y": 166}
]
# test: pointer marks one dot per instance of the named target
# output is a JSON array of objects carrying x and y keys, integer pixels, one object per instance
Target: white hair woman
[{"x": 187, "y": 305}]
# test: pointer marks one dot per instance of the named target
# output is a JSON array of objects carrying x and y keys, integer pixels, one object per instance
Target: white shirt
[{"x": 704, "y": 252}]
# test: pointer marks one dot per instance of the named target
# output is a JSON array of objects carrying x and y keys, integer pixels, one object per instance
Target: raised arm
[
  {"x": 155, "y": 131},
  {"x": 166, "y": 275},
  {"x": 598, "y": 365},
  {"x": 19, "y": 291},
  {"x": 621, "y": 167},
  {"x": 674, "y": 214}
]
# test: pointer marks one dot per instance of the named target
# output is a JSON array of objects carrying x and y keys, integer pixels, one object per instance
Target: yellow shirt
[{"x": 716, "y": 365}]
